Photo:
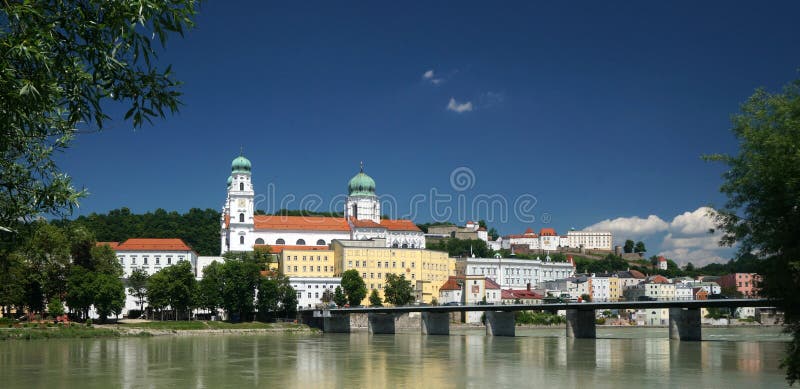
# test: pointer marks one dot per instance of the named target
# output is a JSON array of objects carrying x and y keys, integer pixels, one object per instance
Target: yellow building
[
  {"x": 304, "y": 261},
  {"x": 426, "y": 270},
  {"x": 614, "y": 289}
]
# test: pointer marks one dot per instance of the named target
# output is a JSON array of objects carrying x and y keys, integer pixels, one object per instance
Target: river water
[{"x": 619, "y": 358}]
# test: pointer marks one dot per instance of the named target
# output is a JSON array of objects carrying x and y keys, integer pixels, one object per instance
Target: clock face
[{"x": 241, "y": 203}]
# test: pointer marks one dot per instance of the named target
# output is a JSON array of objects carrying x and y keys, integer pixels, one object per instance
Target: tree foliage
[
  {"x": 628, "y": 248},
  {"x": 762, "y": 212},
  {"x": 639, "y": 248},
  {"x": 61, "y": 64},
  {"x": 239, "y": 277},
  {"x": 462, "y": 247},
  {"x": 137, "y": 286},
  {"x": 354, "y": 287},
  {"x": 398, "y": 290},
  {"x": 339, "y": 298},
  {"x": 172, "y": 287},
  {"x": 375, "y": 299}
]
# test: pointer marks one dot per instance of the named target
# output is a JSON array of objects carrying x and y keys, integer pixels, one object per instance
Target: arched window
[
  {"x": 241, "y": 240},
  {"x": 405, "y": 245},
  {"x": 259, "y": 241},
  {"x": 321, "y": 242},
  {"x": 241, "y": 186},
  {"x": 280, "y": 241},
  {"x": 394, "y": 245},
  {"x": 241, "y": 218},
  {"x": 301, "y": 242},
  {"x": 412, "y": 246}
]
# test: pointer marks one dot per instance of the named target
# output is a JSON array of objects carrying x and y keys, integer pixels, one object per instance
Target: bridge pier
[
  {"x": 500, "y": 323},
  {"x": 435, "y": 323},
  {"x": 684, "y": 324},
  {"x": 381, "y": 323},
  {"x": 581, "y": 324},
  {"x": 336, "y": 323}
]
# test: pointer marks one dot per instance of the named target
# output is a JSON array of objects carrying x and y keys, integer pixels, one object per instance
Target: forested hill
[{"x": 199, "y": 228}]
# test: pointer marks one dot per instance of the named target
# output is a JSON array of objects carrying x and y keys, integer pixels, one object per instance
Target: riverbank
[{"x": 146, "y": 328}]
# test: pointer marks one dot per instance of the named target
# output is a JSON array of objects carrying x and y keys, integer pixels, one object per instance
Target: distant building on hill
[{"x": 548, "y": 240}]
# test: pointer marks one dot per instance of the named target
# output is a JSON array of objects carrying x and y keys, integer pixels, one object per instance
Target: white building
[
  {"x": 242, "y": 230},
  {"x": 684, "y": 292},
  {"x": 470, "y": 290},
  {"x": 600, "y": 287},
  {"x": 655, "y": 287},
  {"x": 310, "y": 289},
  {"x": 594, "y": 240},
  {"x": 514, "y": 273},
  {"x": 150, "y": 255}
]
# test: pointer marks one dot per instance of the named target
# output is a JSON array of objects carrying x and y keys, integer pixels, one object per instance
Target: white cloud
[
  {"x": 704, "y": 242},
  {"x": 430, "y": 76},
  {"x": 699, "y": 221},
  {"x": 698, "y": 258},
  {"x": 455, "y": 106},
  {"x": 631, "y": 226}
]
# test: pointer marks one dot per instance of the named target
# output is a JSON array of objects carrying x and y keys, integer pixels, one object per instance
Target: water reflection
[{"x": 468, "y": 359}]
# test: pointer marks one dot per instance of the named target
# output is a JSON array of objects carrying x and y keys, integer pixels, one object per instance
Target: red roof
[
  {"x": 365, "y": 223},
  {"x": 150, "y": 244},
  {"x": 662, "y": 259},
  {"x": 636, "y": 273},
  {"x": 315, "y": 223},
  {"x": 451, "y": 283},
  {"x": 529, "y": 231},
  {"x": 113, "y": 245},
  {"x": 490, "y": 284},
  {"x": 657, "y": 279},
  {"x": 399, "y": 225},
  {"x": 547, "y": 232},
  {"x": 522, "y": 294}
]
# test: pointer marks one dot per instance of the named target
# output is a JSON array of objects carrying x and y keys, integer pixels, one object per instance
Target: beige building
[{"x": 426, "y": 270}]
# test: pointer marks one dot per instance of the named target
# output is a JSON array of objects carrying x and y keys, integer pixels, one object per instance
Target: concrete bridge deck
[{"x": 684, "y": 316}]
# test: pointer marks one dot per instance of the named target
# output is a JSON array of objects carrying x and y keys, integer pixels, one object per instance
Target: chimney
[{"x": 529, "y": 287}]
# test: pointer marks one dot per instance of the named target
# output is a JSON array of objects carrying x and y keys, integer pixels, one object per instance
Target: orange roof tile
[
  {"x": 314, "y": 223},
  {"x": 365, "y": 223},
  {"x": 547, "y": 232},
  {"x": 150, "y": 244},
  {"x": 452, "y": 283},
  {"x": 113, "y": 245},
  {"x": 400, "y": 225},
  {"x": 490, "y": 284},
  {"x": 522, "y": 294}
]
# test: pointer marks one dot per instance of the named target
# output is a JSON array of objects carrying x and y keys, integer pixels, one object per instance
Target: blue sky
[{"x": 576, "y": 115}]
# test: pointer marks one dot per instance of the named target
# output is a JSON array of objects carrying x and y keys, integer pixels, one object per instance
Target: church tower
[
  {"x": 362, "y": 203},
  {"x": 237, "y": 228}
]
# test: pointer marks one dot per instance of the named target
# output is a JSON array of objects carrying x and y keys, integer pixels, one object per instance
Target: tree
[
  {"x": 12, "y": 277},
  {"x": 397, "y": 290},
  {"x": 339, "y": 297},
  {"x": 762, "y": 211},
  {"x": 268, "y": 298},
  {"x": 628, "y": 248},
  {"x": 639, "y": 248},
  {"x": 80, "y": 292},
  {"x": 209, "y": 288},
  {"x": 61, "y": 64},
  {"x": 137, "y": 286},
  {"x": 109, "y": 295},
  {"x": 55, "y": 308},
  {"x": 288, "y": 298},
  {"x": 240, "y": 276},
  {"x": 689, "y": 267},
  {"x": 354, "y": 287},
  {"x": 173, "y": 286},
  {"x": 374, "y": 299}
]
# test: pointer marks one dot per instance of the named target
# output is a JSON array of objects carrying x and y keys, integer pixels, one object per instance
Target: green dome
[
  {"x": 361, "y": 185},
  {"x": 240, "y": 165},
  {"x": 230, "y": 180}
]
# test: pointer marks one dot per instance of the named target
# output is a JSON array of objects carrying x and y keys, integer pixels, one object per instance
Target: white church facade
[{"x": 243, "y": 230}]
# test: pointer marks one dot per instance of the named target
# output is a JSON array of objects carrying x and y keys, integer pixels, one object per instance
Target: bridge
[{"x": 684, "y": 316}]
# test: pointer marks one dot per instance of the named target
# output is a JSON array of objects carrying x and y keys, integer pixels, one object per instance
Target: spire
[
  {"x": 241, "y": 151},
  {"x": 362, "y": 166}
]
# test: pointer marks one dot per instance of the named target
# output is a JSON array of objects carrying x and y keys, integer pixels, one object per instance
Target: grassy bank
[
  {"x": 199, "y": 325},
  {"x": 76, "y": 331}
]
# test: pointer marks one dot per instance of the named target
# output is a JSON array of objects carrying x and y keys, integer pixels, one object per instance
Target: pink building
[{"x": 744, "y": 283}]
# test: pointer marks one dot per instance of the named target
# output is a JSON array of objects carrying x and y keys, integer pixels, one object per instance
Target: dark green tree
[
  {"x": 354, "y": 287},
  {"x": 55, "y": 307},
  {"x": 374, "y": 299},
  {"x": 80, "y": 292},
  {"x": 108, "y": 295},
  {"x": 172, "y": 287},
  {"x": 628, "y": 248},
  {"x": 209, "y": 288},
  {"x": 762, "y": 212},
  {"x": 62, "y": 65},
  {"x": 240, "y": 277},
  {"x": 268, "y": 298},
  {"x": 288, "y": 298},
  {"x": 137, "y": 286},
  {"x": 639, "y": 248},
  {"x": 339, "y": 297},
  {"x": 397, "y": 290}
]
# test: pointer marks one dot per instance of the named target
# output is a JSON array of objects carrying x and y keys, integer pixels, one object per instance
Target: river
[{"x": 620, "y": 357}]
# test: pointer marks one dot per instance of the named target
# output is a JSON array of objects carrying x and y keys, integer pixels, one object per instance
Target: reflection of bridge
[{"x": 684, "y": 316}]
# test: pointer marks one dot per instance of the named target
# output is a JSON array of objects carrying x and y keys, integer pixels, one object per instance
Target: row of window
[
  {"x": 311, "y": 268},
  {"x": 280, "y": 241},
  {"x": 385, "y": 264},
  {"x": 311, "y": 257},
  {"x": 372, "y": 276},
  {"x": 145, "y": 260}
]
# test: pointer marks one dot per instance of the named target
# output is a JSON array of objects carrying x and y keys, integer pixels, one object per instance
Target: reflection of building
[
  {"x": 242, "y": 229},
  {"x": 514, "y": 273}
]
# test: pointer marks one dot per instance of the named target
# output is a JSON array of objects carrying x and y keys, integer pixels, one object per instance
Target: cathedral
[{"x": 243, "y": 230}]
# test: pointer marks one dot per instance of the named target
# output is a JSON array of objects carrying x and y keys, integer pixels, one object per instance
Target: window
[
  {"x": 304, "y": 268},
  {"x": 158, "y": 260},
  {"x": 364, "y": 263},
  {"x": 241, "y": 218},
  {"x": 301, "y": 242},
  {"x": 321, "y": 242},
  {"x": 349, "y": 263},
  {"x": 326, "y": 268},
  {"x": 241, "y": 240},
  {"x": 394, "y": 245},
  {"x": 121, "y": 260},
  {"x": 386, "y": 264},
  {"x": 379, "y": 264},
  {"x": 394, "y": 264},
  {"x": 326, "y": 258},
  {"x": 413, "y": 264},
  {"x": 317, "y": 258},
  {"x": 304, "y": 257},
  {"x": 259, "y": 241},
  {"x": 363, "y": 275},
  {"x": 405, "y": 246},
  {"x": 413, "y": 276},
  {"x": 403, "y": 264},
  {"x": 280, "y": 241},
  {"x": 295, "y": 268},
  {"x": 144, "y": 260},
  {"x": 309, "y": 294},
  {"x": 319, "y": 267},
  {"x": 241, "y": 186},
  {"x": 379, "y": 275},
  {"x": 169, "y": 260}
]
